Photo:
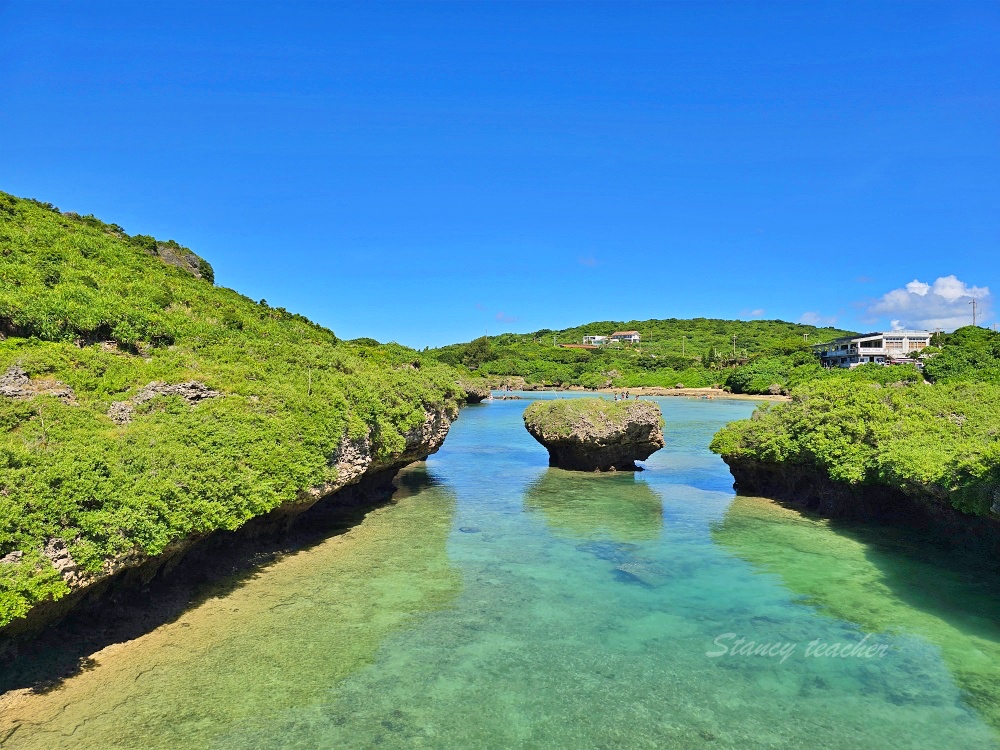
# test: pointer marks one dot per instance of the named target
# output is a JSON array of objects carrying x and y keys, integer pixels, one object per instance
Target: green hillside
[
  {"x": 90, "y": 316},
  {"x": 695, "y": 352},
  {"x": 936, "y": 441}
]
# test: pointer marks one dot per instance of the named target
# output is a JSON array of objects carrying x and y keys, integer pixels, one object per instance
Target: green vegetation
[
  {"x": 84, "y": 305},
  {"x": 969, "y": 355},
  {"x": 695, "y": 353},
  {"x": 782, "y": 374},
  {"x": 563, "y": 417},
  {"x": 940, "y": 442},
  {"x": 884, "y": 426}
]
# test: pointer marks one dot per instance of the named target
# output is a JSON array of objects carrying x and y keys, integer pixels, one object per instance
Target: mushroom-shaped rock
[{"x": 593, "y": 434}]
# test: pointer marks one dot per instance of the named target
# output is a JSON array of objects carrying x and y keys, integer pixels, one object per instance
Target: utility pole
[
  {"x": 973, "y": 303},
  {"x": 734, "y": 345},
  {"x": 683, "y": 343},
  {"x": 553, "y": 341}
]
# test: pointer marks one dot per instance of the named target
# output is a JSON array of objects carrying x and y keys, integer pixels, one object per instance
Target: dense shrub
[
  {"x": 758, "y": 376},
  {"x": 968, "y": 355},
  {"x": 939, "y": 441},
  {"x": 83, "y": 304}
]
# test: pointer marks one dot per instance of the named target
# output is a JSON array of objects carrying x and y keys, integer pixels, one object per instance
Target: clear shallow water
[{"x": 500, "y": 603}]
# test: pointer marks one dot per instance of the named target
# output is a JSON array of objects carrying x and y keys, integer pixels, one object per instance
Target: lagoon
[{"x": 499, "y": 603}]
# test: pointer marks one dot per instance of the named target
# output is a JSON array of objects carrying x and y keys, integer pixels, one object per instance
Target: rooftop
[{"x": 859, "y": 336}]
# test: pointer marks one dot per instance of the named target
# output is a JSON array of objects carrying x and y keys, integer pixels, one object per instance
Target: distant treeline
[{"x": 747, "y": 356}]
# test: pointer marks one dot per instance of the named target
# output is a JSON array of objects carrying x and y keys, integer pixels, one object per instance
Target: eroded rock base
[
  {"x": 809, "y": 488},
  {"x": 52, "y": 645}
]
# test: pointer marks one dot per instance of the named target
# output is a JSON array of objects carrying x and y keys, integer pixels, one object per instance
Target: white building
[
  {"x": 881, "y": 348},
  {"x": 595, "y": 340},
  {"x": 625, "y": 337}
]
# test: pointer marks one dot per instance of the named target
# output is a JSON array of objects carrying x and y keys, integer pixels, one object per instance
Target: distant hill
[
  {"x": 752, "y": 335},
  {"x": 671, "y": 351}
]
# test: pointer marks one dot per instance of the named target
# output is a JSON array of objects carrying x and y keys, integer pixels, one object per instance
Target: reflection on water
[
  {"x": 279, "y": 640},
  {"x": 883, "y": 580},
  {"x": 506, "y": 604},
  {"x": 591, "y": 506}
]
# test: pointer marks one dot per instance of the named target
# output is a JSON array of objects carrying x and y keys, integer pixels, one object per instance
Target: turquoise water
[{"x": 500, "y": 603}]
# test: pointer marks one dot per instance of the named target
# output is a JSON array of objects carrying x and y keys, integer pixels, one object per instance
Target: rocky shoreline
[
  {"x": 809, "y": 488},
  {"x": 709, "y": 393},
  {"x": 360, "y": 476}
]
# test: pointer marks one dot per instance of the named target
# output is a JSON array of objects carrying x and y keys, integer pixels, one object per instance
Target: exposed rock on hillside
[
  {"x": 121, "y": 411},
  {"x": 592, "y": 434},
  {"x": 15, "y": 383},
  {"x": 184, "y": 259}
]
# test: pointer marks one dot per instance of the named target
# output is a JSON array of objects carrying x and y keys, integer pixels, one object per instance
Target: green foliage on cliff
[
  {"x": 85, "y": 306},
  {"x": 563, "y": 416},
  {"x": 697, "y": 352},
  {"x": 941, "y": 441}
]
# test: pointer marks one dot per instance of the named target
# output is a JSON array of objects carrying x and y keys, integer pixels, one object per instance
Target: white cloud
[
  {"x": 755, "y": 313},
  {"x": 815, "y": 319},
  {"x": 944, "y": 304}
]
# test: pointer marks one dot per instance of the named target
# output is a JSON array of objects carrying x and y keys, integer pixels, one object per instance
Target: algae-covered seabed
[{"x": 505, "y": 604}]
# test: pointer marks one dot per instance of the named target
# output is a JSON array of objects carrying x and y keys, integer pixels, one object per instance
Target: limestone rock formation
[
  {"x": 121, "y": 411},
  {"x": 593, "y": 434},
  {"x": 15, "y": 383},
  {"x": 475, "y": 391}
]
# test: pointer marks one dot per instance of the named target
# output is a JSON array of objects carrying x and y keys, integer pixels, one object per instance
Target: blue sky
[{"x": 425, "y": 172}]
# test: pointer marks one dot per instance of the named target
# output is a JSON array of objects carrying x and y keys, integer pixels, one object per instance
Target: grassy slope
[
  {"x": 665, "y": 357},
  {"x": 291, "y": 393}
]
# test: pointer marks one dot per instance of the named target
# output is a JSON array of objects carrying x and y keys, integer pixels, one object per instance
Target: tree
[{"x": 476, "y": 353}]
